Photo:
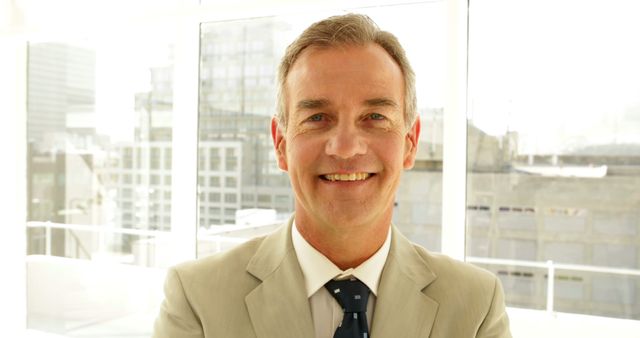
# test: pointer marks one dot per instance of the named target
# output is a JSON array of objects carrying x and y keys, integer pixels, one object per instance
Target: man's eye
[
  {"x": 316, "y": 118},
  {"x": 376, "y": 116}
]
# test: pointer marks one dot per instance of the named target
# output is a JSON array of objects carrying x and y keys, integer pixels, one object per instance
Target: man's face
[{"x": 346, "y": 143}]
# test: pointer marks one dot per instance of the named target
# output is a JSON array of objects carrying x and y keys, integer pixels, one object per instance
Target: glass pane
[
  {"x": 99, "y": 182},
  {"x": 420, "y": 28},
  {"x": 554, "y": 153},
  {"x": 238, "y": 169}
]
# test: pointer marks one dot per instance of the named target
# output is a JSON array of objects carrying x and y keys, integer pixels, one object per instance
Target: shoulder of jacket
[
  {"x": 232, "y": 260},
  {"x": 449, "y": 270}
]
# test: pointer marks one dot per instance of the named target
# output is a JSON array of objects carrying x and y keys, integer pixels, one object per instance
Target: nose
[{"x": 345, "y": 142}]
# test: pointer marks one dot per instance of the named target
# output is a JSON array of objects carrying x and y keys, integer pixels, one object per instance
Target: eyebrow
[
  {"x": 322, "y": 103},
  {"x": 312, "y": 104},
  {"x": 381, "y": 102}
]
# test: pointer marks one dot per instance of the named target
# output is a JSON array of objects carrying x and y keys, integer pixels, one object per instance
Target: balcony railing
[
  {"x": 223, "y": 237},
  {"x": 551, "y": 267}
]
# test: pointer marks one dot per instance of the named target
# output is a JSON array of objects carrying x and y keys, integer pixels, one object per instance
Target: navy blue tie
[{"x": 352, "y": 295}]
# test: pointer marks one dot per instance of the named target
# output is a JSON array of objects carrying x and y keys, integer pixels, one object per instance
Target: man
[{"x": 346, "y": 128}]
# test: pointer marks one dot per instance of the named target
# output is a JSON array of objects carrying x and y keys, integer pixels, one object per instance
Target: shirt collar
[{"x": 318, "y": 269}]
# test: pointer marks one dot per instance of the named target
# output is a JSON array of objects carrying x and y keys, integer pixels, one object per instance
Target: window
[
  {"x": 230, "y": 198},
  {"x": 230, "y": 212},
  {"x": 127, "y": 158},
  {"x": 282, "y": 200},
  {"x": 231, "y": 161},
  {"x": 155, "y": 180},
  {"x": 95, "y": 113},
  {"x": 201, "y": 159},
  {"x": 155, "y": 158},
  {"x": 214, "y": 159},
  {"x": 264, "y": 198},
  {"x": 238, "y": 89},
  {"x": 230, "y": 182},
  {"x": 126, "y": 193},
  {"x": 554, "y": 154},
  {"x": 167, "y": 159},
  {"x": 214, "y": 197}
]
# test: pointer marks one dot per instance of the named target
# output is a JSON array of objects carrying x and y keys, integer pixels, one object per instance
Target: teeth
[{"x": 347, "y": 177}]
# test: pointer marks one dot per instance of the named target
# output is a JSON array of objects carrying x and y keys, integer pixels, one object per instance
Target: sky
[
  {"x": 563, "y": 74},
  {"x": 123, "y": 62}
]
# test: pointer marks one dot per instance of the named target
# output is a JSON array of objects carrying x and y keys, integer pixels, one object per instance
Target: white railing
[
  {"x": 219, "y": 236},
  {"x": 102, "y": 231},
  {"x": 232, "y": 235},
  {"x": 551, "y": 268}
]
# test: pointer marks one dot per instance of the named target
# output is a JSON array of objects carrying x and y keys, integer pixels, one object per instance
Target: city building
[{"x": 579, "y": 208}]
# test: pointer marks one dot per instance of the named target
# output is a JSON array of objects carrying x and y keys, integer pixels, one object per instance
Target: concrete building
[
  {"x": 61, "y": 80},
  {"x": 581, "y": 209},
  {"x": 60, "y": 83},
  {"x": 237, "y": 99}
]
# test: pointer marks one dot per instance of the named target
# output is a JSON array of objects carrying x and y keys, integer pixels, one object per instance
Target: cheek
[
  {"x": 391, "y": 152},
  {"x": 302, "y": 154}
]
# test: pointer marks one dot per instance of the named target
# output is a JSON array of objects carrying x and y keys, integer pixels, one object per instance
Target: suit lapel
[
  {"x": 278, "y": 307},
  {"x": 402, "y": 309}
]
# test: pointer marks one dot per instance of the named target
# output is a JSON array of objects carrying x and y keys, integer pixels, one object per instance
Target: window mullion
[
  {"x": 185, "y": 141},
  {"x": 455, "y": 133},
  {"x": 13, "y": 130}
]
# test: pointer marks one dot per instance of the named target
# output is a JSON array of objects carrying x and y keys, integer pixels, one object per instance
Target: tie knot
[{"x": 351, "y": 294}]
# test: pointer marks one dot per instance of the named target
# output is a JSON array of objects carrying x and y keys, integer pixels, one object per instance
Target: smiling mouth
[{"x": 346, "y": 177}]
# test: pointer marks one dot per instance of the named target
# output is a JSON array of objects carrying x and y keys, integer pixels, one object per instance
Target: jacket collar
[
  {"x": 279, "y": 306},
  {"x": 402, "y": 309}
]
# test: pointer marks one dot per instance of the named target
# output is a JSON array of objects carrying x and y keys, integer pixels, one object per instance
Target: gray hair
[{"x": 348, "y": 29}]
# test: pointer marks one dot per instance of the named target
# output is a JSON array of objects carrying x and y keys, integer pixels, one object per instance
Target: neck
[{"x": 346, "y": 247}]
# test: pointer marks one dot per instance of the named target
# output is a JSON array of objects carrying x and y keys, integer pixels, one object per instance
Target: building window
[
  {"x": 167, "y": 159},
  {"x": 214, "y": 159},
  {"x": 155, "y": 158},
  {"x": 155, "y": 180},
  {"x": 231, "y": 182},
  {"x": 214, "y": 197},
  {"x": 230, "y": 212},
  {"x": 231, "y": 161},
  {"x": 230, "y": 198},
  {"x": 546, "y": 142},
  {"x": 201, "y": 159},
  {"x": 127, "y": 158}
]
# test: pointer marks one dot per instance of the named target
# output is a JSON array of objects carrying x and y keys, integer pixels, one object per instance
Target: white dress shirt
[{"x": 318, "y": 270}]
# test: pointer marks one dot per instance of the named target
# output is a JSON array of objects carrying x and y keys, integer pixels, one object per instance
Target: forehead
[{"x": 333, "y": 72}]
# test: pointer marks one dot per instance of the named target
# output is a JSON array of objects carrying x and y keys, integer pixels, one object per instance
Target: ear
[
  {"x": 279, "y": 144},
  {"x": 411, "y": 144}
]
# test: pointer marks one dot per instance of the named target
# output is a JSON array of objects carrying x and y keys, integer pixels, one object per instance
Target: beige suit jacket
[{"x": 257, "y": 290}]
